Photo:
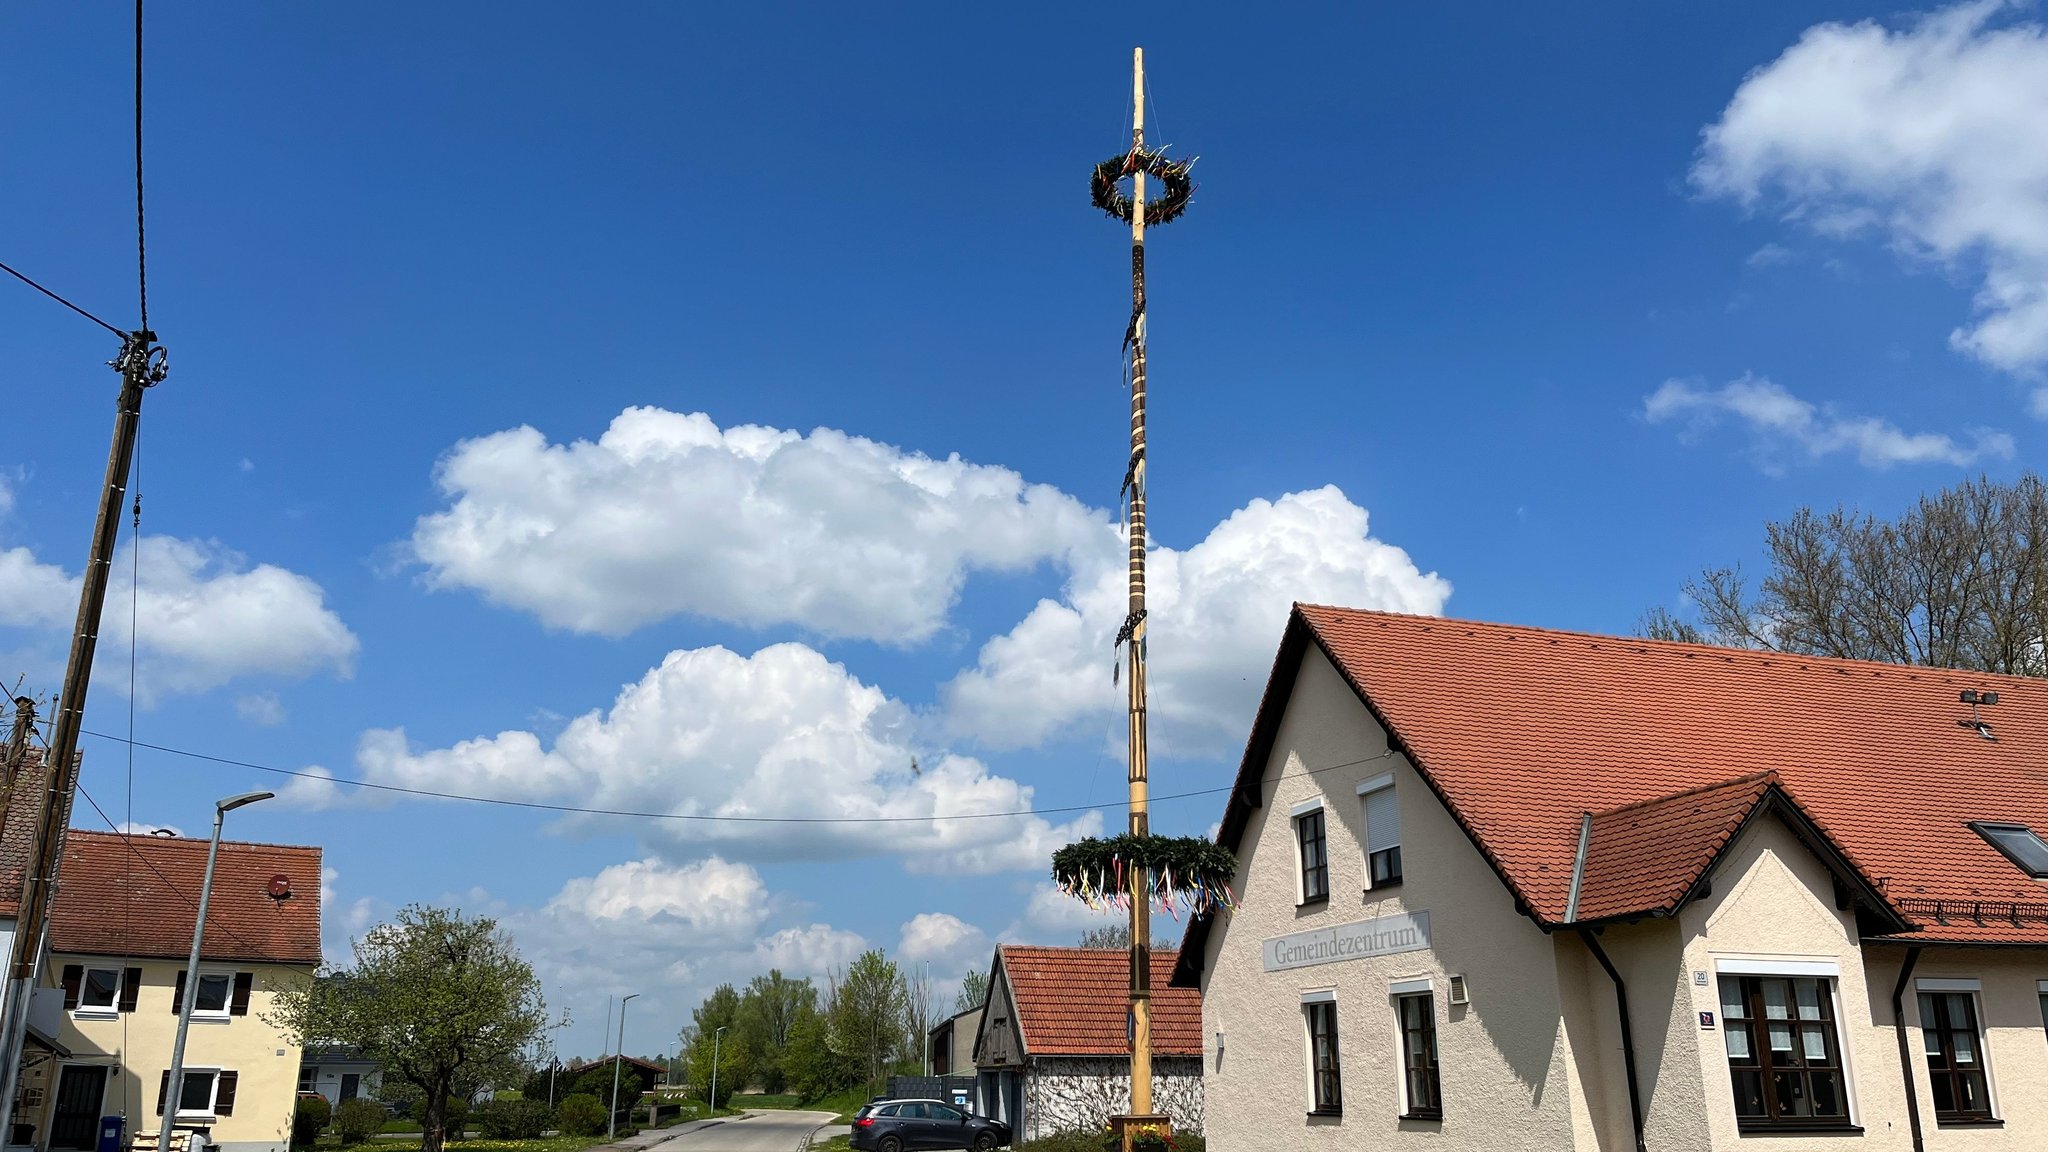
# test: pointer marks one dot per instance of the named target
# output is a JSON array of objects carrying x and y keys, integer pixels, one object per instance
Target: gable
[{"x": 998, "y": 1039}]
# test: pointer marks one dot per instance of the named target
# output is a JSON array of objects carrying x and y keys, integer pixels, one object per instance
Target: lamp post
[
  {"x": 617, "y": 1062},
  {"x": 713, "y": 1100},
  {"x": 174, "y": 1086}
]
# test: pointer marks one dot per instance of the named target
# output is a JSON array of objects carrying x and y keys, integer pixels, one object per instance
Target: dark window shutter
[
  {"x": 163, "y": 1089},
  {"x": 131, "y": 988},
  {"x": 74, "y": 975},
  {"x": 224, "y": 1094},
  {"x": 239, "y": 1005},
  {"x": 178, "y": 995}
]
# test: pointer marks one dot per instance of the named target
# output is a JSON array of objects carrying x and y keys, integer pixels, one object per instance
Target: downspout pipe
[
  {"x": 1628, "y": 1038},
  {"x": 1906, "y": 1048}
]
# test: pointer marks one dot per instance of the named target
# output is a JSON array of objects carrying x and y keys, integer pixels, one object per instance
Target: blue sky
[{"x": 710, "y": 411}]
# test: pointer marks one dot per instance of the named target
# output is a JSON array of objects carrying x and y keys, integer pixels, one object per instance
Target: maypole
[{"x": 1138, "y": 872}]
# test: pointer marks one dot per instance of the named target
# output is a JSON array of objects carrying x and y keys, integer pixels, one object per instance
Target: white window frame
[
  {"x": 1294, "y": 815},
  {"x": 1397, "y": 989},
  {"x": 105, "y": 1011},
  {"x": 174, "y": 1108},
  {"x": 227, "y": 1003},
  {"x": 1384, "y": 782},
  {"x": 309, "y": 1078},
  {"x": 1308, "y": 1051},
  {"x": 1973, "y": 987},
  {"x": 1826, "y": 969}
]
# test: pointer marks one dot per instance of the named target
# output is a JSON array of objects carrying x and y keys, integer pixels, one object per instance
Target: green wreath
[
  {"x": 1176, "y": 872},
  {"x": 1102, "y": 185}
]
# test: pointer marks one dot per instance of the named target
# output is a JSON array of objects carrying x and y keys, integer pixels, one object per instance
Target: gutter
[
  {"x": 1628, "y": 1040},
  {"x": 1906, "y": 1047}
]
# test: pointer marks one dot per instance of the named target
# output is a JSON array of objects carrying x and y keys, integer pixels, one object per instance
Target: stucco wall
[
  {"x": 1504, "y": 1059},
  {"x": 1080, "y": 1094},
  {"x": 2016, "y": 1051},
  {"x": 266, "y": 1060}
]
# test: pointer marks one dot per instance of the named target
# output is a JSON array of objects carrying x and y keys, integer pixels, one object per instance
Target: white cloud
[
  {"x": 814, "y": 950},
  {"x": 1929, "y": 134},
  {"x": 205, "y": 616},
  {"x": 667, "y": 514},
  {"x": 782, "y": 733},
  {"x": 1778, "y": 420},
  {"x": 714, "y": 899},
  {"x": 1215, "y": 613},
  {"x": 1770, "y": 255},
  {"x": 945, "y": 940},
  {"x": 260, "y": 708}
]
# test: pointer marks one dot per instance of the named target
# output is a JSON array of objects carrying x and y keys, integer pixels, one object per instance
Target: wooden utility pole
[
  {"x": 1141, "y": 823},
  {"x": 17, "y": 752},
  {"x": 141, "y": 366}
]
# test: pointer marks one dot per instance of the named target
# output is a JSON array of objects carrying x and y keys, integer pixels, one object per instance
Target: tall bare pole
[
  {"x": 1141, "y": 823},
  {"x": 141, "y": 366}
]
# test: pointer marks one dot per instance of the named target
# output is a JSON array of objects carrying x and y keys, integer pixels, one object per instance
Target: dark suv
[{"x": 907, "y": 1125}]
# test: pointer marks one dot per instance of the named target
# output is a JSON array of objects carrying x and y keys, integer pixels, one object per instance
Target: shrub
[
  {"x": 403, "y": 1099},
  {"x": 513, "y": 1119},
  {"x": 309, "y": 1119},
  {"x": 582, "y": 1115},
  {"x": 359, "y": 1119},
  {"x": 455, "y": 1119}
]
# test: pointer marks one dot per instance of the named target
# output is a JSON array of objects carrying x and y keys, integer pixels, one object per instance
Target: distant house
[
  {"x": 1053, "y": 1051},
  {"x": 949, "y": 1047},
  {"x": 120, "y": 932},
  {"x": 340, "y": 1074}
]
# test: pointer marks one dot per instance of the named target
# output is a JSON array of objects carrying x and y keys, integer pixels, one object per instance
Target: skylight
[{"x": 2020, "y": 844}]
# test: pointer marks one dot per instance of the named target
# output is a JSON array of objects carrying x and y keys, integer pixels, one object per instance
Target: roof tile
[
  {"x": 136, "y": 896},
  {"x": 1072, "y": 1002}
]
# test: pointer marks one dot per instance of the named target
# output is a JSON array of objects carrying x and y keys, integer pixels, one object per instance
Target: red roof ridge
[
  {"x": 1768, "y": 776},
  {"x": 112, "y": 834}
]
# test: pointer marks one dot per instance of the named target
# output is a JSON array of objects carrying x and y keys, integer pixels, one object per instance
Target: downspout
[
  {"x": 1906, "y": 1048},
  {"x": 1628, "y": 1040}
]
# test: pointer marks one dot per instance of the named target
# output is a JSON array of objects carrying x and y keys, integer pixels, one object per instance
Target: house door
[
  {"x": 350, "y": 1082},
  {"x": 75, "y": 1123}
]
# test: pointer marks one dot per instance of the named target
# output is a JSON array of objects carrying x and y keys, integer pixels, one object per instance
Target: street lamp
[
  {"x": 617, "y": 1062},
  {"x": 713, "y": 1101},
  {"x": 174, "y": 1086}
]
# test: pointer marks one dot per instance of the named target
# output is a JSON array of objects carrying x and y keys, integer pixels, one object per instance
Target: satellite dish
[{"x": 280, "y": 887}]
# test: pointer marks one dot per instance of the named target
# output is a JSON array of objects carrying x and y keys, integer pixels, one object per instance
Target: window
[
  {"x": 215, "y": 994},
  {"x": 100, "y": 990},
  {"x": 2020, "y": 844},
  {"x": 1315, "y": 856},
  {"x": 306, "y": 1078},
  {"x": 1382, "y": 833},
  {"x": 205, "y": 1092},
  {"x": 1955, "y": 1057},
  {"x": 1784, "y": 1055},
  {"x": 1326, "y": 1082},
  {"x": 211, "y": 999},
  {"x": 1424, "y": 1091}
]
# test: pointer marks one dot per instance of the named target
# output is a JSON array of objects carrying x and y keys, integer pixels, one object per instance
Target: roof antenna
[{"x": 1973, "y": 698}]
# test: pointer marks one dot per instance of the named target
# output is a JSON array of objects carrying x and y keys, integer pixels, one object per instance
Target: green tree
[
  {"x": 814, "y": 1067},
  {"x": 973, "y": 991},
  {"x": 1116, "y": 936},
  {"x": 768, "y": 1009},
  {"x": 442, "y": 1001},
  {"x": 720, "y": 1010},
  {"x": 866, "y": 1014}
]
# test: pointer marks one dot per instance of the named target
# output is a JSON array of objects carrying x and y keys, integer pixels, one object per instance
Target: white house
[{"x": 1506, "y": 888}]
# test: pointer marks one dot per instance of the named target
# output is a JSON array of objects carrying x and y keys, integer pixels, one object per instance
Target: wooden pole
[{"x": 1140, "y": 824}]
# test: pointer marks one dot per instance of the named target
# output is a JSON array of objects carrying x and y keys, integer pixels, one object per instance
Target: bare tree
[
  {"x": 917, "y": 1010},
  {"x": 1108, "y": 936},
  {"x": 973, "y": 991},
  {"x": 1960, "y": 580}
]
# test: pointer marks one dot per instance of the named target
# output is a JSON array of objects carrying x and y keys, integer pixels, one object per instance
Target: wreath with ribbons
[
  {"x": 1172, "y": 174},
  {"x": 1176, "y": 873}
]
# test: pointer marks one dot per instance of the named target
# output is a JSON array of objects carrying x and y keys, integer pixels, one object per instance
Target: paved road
[{"x": 756, "y": 1132}]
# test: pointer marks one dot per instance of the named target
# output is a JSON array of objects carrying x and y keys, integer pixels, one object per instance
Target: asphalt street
[{"x": 757, "y": 1132}]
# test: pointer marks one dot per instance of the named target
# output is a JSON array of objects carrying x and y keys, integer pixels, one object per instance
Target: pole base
[{"x": 1145, "y": 1133}]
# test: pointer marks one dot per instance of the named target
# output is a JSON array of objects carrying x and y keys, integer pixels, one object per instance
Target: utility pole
[
  {"x": 17, "y": 751},
  {"x": 1141, "y": 821},
  {"x": 142, "y": 365}
]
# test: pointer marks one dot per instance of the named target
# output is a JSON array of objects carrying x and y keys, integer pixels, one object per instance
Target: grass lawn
[
  {"x": 544, "y": 1144},
  {"x": 840, "y": 1141},
  {"x": 758, "y": 1100},
  {"x": 844, "y": 1102}
]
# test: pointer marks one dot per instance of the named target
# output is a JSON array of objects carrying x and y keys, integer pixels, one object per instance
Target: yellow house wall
[
  {"x": 2015, "y": 1044},
  {"x": 1506, "y": 1062},
  {"x": 266, "y": 1059}
]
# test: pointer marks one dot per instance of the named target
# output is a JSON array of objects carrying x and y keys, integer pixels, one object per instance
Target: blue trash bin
[{"x": 110, "y": 1133}]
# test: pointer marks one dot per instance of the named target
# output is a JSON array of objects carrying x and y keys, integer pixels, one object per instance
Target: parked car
[{"x": 909, "y": 1125}]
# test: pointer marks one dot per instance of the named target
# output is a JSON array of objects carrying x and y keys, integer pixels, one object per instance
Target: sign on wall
[{"x": 1384, "y": 936}]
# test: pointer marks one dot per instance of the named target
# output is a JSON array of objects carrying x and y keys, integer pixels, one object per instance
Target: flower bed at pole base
[{"x": 1179, "y": 873}]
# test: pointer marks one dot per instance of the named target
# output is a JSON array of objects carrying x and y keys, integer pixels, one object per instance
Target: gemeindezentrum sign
[{"x": 1384, "y": 936}]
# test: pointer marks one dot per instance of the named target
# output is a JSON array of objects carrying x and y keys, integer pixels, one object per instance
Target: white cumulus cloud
[
  {"x": 782, "y": 733},
  {"x": 1929, "y": 134},
  {"x": 1215, "y": 613},
  {"x": 1778, "y": 420},
  {"x": 667, "y": 514}
]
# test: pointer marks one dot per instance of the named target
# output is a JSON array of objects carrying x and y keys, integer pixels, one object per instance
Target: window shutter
[
  {"x": 224, "y": 1094},
  {"x": 74, "y": 975},
  {"x": 239, "y": 1005},
  {"x": 178, "y": 995},
  {"x": 163, "y": 1089},
  {"x": 1382, "y": 821},
  {"x": 131, "y": 988}
]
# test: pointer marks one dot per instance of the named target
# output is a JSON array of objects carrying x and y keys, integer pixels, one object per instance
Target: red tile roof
[
  {"x": 1521, "y": 731},
  {"x": 137, "y": 896},
  {"x": 1072, "y": 1001}
]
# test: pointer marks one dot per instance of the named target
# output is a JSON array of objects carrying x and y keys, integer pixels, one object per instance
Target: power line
[
  {"x": 128, "y": 840},
  {"x": 141, "y": 250},
  {"x": 59, "y": 299},
  {"x": 571, "y": 809}
]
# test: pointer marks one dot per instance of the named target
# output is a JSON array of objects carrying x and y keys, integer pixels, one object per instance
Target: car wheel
[
  {"x": 889, "y": 1144},
  {"x": 985, "y": 1142}
]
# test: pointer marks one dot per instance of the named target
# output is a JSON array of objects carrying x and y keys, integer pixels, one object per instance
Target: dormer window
[{"x": 2019, "y": 844}]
